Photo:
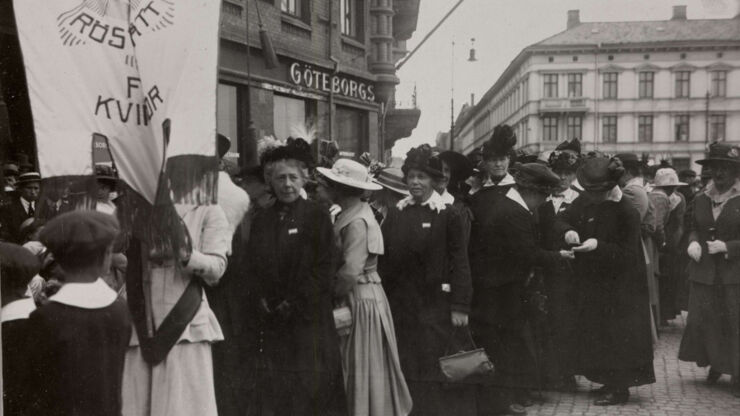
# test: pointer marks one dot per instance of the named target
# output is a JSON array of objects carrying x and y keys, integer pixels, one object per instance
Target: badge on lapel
[{"x": 292, "y": 231}]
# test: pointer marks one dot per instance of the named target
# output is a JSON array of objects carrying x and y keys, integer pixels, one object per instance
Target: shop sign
[{"x": 313, "y": 78}]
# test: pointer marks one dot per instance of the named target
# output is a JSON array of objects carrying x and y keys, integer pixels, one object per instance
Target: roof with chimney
[{"x": 660, "y": 31}]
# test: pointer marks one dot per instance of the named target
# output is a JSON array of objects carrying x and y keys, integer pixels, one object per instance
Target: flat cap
[{"x": 76, "y": 234}]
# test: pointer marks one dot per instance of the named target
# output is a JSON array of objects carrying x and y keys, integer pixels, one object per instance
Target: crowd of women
[{"x": 336, "y": 289}]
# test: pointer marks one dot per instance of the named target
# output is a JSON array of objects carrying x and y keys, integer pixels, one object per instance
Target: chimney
[
  {"x": 472, "y": 99},
  {"x": 679, "y": 13},
  {"x": 574, "y": 18}
]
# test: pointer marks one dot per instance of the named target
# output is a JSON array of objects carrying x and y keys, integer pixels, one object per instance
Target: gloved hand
[
  {"x": 459, "y": 319},
  {"x": 694, "y": 251},
  {"x": 716, "y": 247},
  {"x": 572, "y": 238},
  {"x": 587, "y": 246},
  {"x": 567, "y": 254}
]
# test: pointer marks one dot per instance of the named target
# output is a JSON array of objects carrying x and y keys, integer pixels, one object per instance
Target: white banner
[{"x": 120, "y": 68}]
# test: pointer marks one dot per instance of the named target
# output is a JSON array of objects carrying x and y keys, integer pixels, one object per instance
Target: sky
[{"x": 501, "y": 29}]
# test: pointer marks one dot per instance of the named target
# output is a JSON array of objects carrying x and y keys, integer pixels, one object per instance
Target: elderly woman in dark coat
[
  {"x": 712, "y": 336},
  {"x": 614, "y": 340},
  {"x": 290, "y": 248},
  {"x": 427, "y": 279}
]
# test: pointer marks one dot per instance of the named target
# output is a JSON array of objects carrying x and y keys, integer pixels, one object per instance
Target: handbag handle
[{"x": 452, "y": 338}]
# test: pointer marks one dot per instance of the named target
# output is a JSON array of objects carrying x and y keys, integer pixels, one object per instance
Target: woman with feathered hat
[
  {"x": 291, "y": 271},
  {"x": 427, "y": 278},
  {"x": 613, "y": 320}
]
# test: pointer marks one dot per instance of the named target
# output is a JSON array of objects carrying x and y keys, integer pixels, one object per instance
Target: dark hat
[
  {"x": 461, "y": 166},
  {"x": 392, "y": 179},
  {"x": 476, "y": 157},
  {"x": 105, "y": 173},
  {"x": 423, "y": 158},
  {"x": 721, "y": 152},
  {"x": 17, "y": 266},
  {"x": 501, "y": 143},
  {"x": 10, "y": 169},
  {"x": 629, "y": 159},
  {"x": 75, "y": 236},
  {"x": 223, "y": 144},
  {"x": 687, "y": 175},
  {"x": 570, "y": 145},
  {"x": 28, "y": 177},
  {"x": 295, "y": 149},
  {"x": 535, "y": 176},
  {"x": 598, "y": 174}
]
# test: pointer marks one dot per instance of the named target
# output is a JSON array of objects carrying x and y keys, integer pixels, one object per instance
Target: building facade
[
  {"x": 660, "y": 88},
  {"x": 335, "y": 71}
]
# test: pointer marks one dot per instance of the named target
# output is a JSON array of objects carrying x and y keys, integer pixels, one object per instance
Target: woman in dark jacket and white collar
[
  {"x": 614, "y": 338},
  {"x": 427, "y": 278}
]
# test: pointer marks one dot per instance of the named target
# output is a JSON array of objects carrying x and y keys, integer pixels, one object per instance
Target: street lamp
[{"x": 471, "y": 58}]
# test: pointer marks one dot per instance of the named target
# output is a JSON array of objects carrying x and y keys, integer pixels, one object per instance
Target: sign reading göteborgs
[{"x": 309, "y": 77}]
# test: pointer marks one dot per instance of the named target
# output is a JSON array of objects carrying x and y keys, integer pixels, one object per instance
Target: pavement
[{"x": 680, "y": 389}]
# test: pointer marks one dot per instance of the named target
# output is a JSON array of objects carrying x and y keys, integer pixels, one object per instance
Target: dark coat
[
  {"x": 718, "y": 268},
  {"x": 78, "y": 358},
  {"x": 615, "y": 345},
  {"x": 18, "y": 386},
  {"x": 291, "y": 261},
  {"x": 11, "y": 218}
]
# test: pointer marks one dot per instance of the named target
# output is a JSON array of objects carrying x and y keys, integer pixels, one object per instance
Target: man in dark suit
[
  {"x": 21, "y": 207},
  {"x": 508, "y": 252}
]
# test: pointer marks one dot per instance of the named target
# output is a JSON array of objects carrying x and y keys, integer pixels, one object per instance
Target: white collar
[
  {"x": 18, "y": 309},
  {"x": 615, "y": 195},
  {"x": 94, "y": 295},
  {"x": 26, "y": 204},
  {"x": 447, "y": 198},
  {"x": 506, "y": 181},
  {"x": 717, "y": 198},
  {"x": 435, "y": 202},
  {"x": 515, "y": 196}
]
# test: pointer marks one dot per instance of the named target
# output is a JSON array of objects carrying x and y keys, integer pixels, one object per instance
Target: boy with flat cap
[{"x": 82, "y": 332}]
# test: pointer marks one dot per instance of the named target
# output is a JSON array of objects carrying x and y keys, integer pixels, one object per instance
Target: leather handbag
[{"x": 464, "y": 364}]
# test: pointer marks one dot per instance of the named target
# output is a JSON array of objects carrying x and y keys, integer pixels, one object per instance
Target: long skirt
[
  {"x": 181, "y": 385},
  {"x": 372, "y": 370},
  {"x": 712, "y": 335}
]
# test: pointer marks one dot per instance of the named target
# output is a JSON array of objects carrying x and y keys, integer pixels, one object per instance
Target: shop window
[
  {"x": 683, "y": 84},
  {"x": 575, "y": 85},
  {"x": 717, "y": 124},
  {"x": 645, "y": 129},
  {"x": 288, "y": 113},
  {"x": 719, "y": 83},
  {"x": 550, "y": 129},
  {"x": 227, "y": 119},
  {"x": 351, "y": 134},
  {"x": 551, "y": 85},
  {"x": 352, "y": 18},
  {"x": 646, "y": 82},
  {"x": 609, "y": 129},
  {"x": 575, "y": 126},
  {"x": 610, "y": 85},
  {"x": 682, "y": 128}
]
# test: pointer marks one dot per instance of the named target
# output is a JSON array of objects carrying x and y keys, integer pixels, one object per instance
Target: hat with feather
[
  {"x": 566, "y": 157},
  {"x": 424, "y": 159},
  {"x": 501, "y": 143}
]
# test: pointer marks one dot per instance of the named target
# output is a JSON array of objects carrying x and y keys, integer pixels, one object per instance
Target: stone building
[{"x": 661, "y": 88}]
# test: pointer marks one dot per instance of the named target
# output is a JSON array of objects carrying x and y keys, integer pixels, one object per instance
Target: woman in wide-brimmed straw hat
[
  {"x": 613, "y": 321},
  {"x": 427, "y": 278},
  {"x": 374, "y": 382},
  {"x": 394, "y": 190},
  {"x": 712, "y": 335}
]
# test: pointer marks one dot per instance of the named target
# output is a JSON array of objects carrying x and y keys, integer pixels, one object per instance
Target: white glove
[
  {"x": 716, "y": 246},
  {"x": 588, "y": 245},
  {"x": 694, "y": 251},
  {"x": 572, "y": 238},
  {"x": 567, "y": 254}
]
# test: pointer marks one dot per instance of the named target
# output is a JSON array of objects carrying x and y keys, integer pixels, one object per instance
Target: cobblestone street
[{"x": 680, "y": 389}]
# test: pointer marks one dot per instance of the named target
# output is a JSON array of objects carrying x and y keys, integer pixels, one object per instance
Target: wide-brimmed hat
[
  {"x": 535, "y": 176},
  {"x": 350, "y": 173},
  {"x": 501, "y": 143},
  {"x": 392, "y": 179},
  {"x": 667, "y": 177},
  {"x": 460, "y": 166},
  {"x": 629, "y": 159},
  {"x": 28, "y": 177},
  {"x": 721, "y": 152},
  {"x": 423, "y": 159},
  {"x": 598, "y": 174}
]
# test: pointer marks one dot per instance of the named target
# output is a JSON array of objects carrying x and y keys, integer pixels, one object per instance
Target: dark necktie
[{"x": 31, "y": 211}]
